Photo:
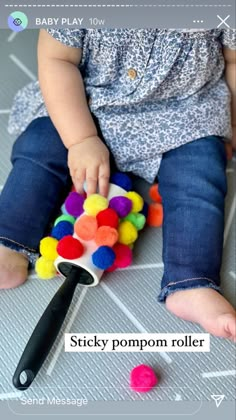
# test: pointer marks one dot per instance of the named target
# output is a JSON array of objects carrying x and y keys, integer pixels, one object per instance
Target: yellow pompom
[
  {"x": 94, "y": 204},
  {"x": 137, "y": 201},
  {"x": 45, "y": 268},
  {"x": 127, "y": 233},
  {"x": 48, "y": 248}
]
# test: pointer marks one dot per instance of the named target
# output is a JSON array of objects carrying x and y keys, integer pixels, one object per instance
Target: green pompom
[
  {"x": 137, "y": 219},
  {"x": 65, "y": 218}
]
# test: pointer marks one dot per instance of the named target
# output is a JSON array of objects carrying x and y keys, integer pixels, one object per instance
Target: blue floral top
[{"x": 151, "y": 89}]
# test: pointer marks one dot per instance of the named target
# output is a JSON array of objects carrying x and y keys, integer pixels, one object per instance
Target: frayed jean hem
[
  {"x": 195, "y": 283},
  {"x": 30, "y": 254}
]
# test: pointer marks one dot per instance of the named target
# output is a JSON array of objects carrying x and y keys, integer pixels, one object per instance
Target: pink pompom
[
  {"x": 142, "y": 378},
  {"x": 123, "y": 255},
  {"x": 74, "y": 204},
  {"x": 121, "y": 205}
]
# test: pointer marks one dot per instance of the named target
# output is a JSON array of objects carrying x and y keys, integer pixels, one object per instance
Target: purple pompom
[
  {"x": 74, "y": 204},
  {"x": 122, "y": 205}
]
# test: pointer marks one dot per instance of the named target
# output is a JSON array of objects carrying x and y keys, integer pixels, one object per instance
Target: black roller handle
[{"x": 48, "y": 326}]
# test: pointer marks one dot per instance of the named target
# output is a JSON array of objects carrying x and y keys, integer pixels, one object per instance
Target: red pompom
[
  {"x": 142, "y": 378},
  {"x": 123, "y": 255},
  {"x": 70, "y": 248},
  {"x": 108, "y": 217},
  {"x": 112, "y": 268}
]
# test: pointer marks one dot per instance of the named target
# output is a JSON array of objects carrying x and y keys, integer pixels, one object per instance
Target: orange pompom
[
  {"x": 154, "y": 193},
  {"x": 155, "y": 214},
  {"x": 106, "y": 235},
  {"x": 86, "y": 227}
]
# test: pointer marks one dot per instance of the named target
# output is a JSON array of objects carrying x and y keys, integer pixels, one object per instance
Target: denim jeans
[
  {"x": 193, "y": 185},
  {"x": 192, "y": 182}
]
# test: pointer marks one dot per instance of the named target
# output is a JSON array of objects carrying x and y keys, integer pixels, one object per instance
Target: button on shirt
[{"x": 152, "y": 90}]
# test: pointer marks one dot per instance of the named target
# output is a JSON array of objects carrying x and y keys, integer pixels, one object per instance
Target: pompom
[
  {"x": 48, "y": 248},
  {"x": 106, "y": 235},
  {"x": 137, "y": 219},
  {"x": 123, "y": 255},
  {"x": 154, "y": 193},
  {"x": 103, "y": 257},
  {"x": 74, "y": 204},
  {"x": 64, "y": 211},
  {"x": 137, "y": 201},
  {"x": 144, "y": 210},
  {"x": 127, "y": 233},
  {"x": 94, "y": 204},
  {"x": 122, "y": 180},
  {"x": 62, "y": 229},
  {"x": 142, "y": 378},
  {"x": 64, "y": 218},
  {"x": 121, "y": 205},
  {"x": 108, "y": 217},
  {"x": 111, "y": 269},
  {"x": 86, "y": 227},
  {"x": 45, "y": 268},
  {"x": 155, "y": 215},
  {"x": 70, "y": 248}
]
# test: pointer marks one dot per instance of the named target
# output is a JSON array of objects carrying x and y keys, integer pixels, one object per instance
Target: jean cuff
[
  {"x": 31, "y": 254},
  {"x": 186, "y": 284}
]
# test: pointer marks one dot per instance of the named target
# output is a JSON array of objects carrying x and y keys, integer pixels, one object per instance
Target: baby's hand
[{"x": 89, "y": 161}]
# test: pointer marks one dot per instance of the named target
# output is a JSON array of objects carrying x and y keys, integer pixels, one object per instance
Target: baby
[{"x": 156, "y": 103}]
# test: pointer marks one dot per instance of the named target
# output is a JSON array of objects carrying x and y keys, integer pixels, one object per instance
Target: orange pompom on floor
[
  {"x": 155, "y": 215},
  {"x": 154, "y": 193}
]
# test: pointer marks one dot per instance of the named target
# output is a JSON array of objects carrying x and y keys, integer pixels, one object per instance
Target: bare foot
[
  {"x": 207, "y": 308},
  {"x": 13, "y": 268}
]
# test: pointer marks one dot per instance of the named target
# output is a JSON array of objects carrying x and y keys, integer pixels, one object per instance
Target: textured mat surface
[{"x": 125, "y": 301}]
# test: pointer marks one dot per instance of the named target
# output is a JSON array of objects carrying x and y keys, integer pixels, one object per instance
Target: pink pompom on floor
[{"x": 142, "y": 378}]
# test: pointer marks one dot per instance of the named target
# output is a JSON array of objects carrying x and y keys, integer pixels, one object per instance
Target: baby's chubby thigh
[{"x": 192, "y": 183}]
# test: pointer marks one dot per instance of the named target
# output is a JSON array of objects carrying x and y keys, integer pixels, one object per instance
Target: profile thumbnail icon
[{"x": 17, "y": 21}]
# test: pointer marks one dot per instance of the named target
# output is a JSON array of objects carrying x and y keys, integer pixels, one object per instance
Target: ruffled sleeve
[
  {"x": 70, "y": 37},
  {"x": 228, "y": 38}
]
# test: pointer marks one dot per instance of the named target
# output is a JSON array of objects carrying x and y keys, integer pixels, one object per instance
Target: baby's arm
[
  {"x": 230, "y": 74},
  {"x": 64, "y": 94}
]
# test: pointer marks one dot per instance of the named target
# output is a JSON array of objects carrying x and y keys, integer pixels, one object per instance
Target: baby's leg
[
  {"x": 192, "y": 182},
  {"x": 34, "y": 190}
]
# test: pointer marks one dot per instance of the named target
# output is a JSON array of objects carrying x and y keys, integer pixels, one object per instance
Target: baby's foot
[
  {"x": 206, "y": 307},
  {"x": 13, "y": 268}
]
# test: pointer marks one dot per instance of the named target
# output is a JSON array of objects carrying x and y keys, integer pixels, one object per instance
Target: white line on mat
[
  {"x": 12, "y": 36},
  {"x": 232, "y": 274},
  {"x": 67, "y": 330},
  {"x": 142, "y": 266},
  {"x": 229, "y": 170},
  {"x": 230, "y": 219},
  {"x": 4, "y": 111},
  {"x": 130, "y": 316},
  {"x": 10, "y": 395},
  {"x": 22, "y": 67},
  {"x": 219, "y": 373}
]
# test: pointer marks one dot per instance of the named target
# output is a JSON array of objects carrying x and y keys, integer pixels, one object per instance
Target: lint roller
[{"x": 94, "y": 234}]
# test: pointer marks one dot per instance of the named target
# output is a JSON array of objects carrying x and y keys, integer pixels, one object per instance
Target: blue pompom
[
  {"x": 62, "y": 229},
  {"x": 144, "y": 210},
  {"x": 103, "y": 257},
  {"x": 122, "y": 180}
]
